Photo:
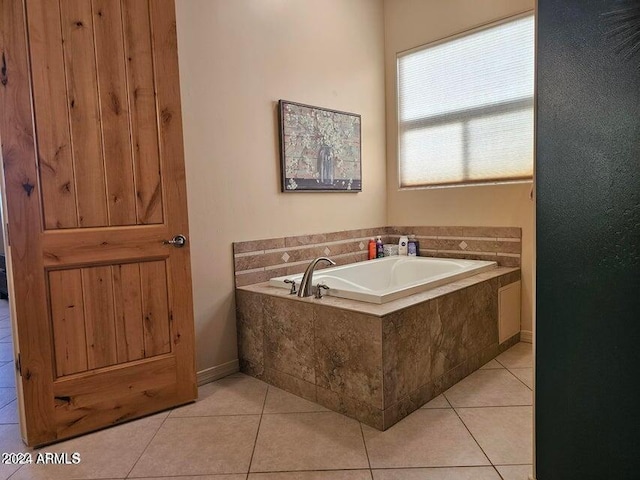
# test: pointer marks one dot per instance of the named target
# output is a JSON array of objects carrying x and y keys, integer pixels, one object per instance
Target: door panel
[
  {"x": 67, "y": 318},
  {"x": 116, "y": 134},
  {"x": 95, "y": 185},
  {"x": 99, "y": 316},
  {"x": 128, "y": 306},
  {"x": 142, "y": 105},
  {"x": 109, "y": 315},
  {"x": 97, "y": 123},
  {"x": 54, "y": 137},
  {"x": 153, "y": 279},
  {"x": 83, "y": 109}
]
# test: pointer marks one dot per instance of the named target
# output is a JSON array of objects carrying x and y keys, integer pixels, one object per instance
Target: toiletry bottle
[
  {"x": 372, "y": 249},
  {"x": 411, "y": 246},
  {"x": 402, "y": 245},
  {"x": 379, "y": 248}
]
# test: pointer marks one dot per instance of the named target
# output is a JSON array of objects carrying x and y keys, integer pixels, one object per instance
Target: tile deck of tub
[{"x": 242, "y": 428}]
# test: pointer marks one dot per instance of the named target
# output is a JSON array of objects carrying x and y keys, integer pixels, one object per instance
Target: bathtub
[{"x": 386, "y": 279}]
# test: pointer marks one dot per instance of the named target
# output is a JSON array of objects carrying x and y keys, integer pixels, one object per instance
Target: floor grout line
[
  {"x": 366, "y": 450},
  {"x": 498, "y": 472},
  {"x": 148, "y": 443},
  {"x": 491, "y": 406},
  {"x": 470, "y": 433},
  {"x": 433, "y": 467},
  {"x": 255, "y": 441},
  {"x": 509, "y": 370}
]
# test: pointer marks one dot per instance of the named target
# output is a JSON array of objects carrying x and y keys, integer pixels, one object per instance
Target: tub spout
[{"x": 306, "y": 286}]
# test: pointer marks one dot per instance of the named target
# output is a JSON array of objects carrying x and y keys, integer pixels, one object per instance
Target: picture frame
[{"x": 320, "y": 149}]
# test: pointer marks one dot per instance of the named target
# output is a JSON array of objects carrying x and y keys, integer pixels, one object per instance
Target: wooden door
[{"x": 94, "y": 181}]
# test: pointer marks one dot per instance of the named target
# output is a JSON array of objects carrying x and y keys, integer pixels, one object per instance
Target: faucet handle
[
  {"x": 319, "y": 288},
  {"x": 293, "y": 286}
]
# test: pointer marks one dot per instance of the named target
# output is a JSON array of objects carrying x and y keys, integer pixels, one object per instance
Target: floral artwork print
[{"x": 320, "y": 149}]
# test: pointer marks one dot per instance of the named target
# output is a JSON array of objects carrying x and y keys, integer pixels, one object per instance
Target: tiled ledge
[
  {"x": 505, "y": 275},
  {"x": 256, "y": 261}
]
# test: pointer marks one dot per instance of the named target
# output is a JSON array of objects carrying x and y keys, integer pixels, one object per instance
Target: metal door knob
[{"x": 178, "y": 241}]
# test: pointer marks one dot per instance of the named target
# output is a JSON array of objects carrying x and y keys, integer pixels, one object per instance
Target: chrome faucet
[{"x": 306, "y": 286}]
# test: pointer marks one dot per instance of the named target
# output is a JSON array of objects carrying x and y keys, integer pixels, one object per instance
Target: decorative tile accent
[
  {"x": 497, "y": 244},
  {"x": 257, "y": 261}
]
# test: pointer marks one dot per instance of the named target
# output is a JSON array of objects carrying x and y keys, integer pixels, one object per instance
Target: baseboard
[
  {"x": 526, "y": 336},
  {"x": 215, "y": 373}
]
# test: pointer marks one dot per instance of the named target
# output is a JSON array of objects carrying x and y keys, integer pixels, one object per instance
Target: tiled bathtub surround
[
  {"x": 259, "y": 260},
  {"x": 499, "y": 244},
  {"x": 376, "y": 363}
]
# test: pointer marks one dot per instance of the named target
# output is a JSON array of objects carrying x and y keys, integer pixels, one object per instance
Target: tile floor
[{"x": 242, "y": 428}]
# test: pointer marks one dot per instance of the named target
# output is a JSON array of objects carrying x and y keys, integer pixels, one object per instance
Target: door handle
[{"x": 178, "y": 241}]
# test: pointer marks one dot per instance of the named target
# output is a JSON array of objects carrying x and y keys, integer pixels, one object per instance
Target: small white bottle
[{"x": 402, "y": 245}]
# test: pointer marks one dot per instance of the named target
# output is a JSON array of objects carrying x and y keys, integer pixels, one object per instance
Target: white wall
[
  {"x": 237, "y": 58},
  {"x": 411, "y": 23}
]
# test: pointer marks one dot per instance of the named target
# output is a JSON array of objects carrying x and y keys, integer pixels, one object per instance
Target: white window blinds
[{"x": 465, "y": 108}]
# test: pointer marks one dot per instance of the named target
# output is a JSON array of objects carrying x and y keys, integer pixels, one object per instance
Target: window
[{"x": 465, "y": 108}]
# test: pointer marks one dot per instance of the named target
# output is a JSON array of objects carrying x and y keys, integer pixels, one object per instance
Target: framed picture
[{"x": 320, "y": 149}]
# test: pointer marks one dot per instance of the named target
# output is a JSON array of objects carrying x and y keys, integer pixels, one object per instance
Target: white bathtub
[{"x": 386, "y": 279}]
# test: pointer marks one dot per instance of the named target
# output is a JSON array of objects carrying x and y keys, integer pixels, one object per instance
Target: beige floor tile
[
  {"x": 525, "y": 375},
  {"x": 489, "y": 388},
  {"x": 109, "y": 453},
  {"x": 6, "y": 352},
  {"x": 229, "y": 396},
  {"x": 9, "y": 413},
  {"x": 279, "y": 401},
  {"x": 237, "y": 476},
  {"x": 10, "y": 441},
  {"x": 7, "y": 376},
  {"x": 438, "y": 402},
  {"x": 447, "y": 473},
  {"x": 491, "y": 364},
  {"x": 200, "y": 446},
  {"x": 6, "y": 339},
  {"x": 515, "y": 472},
  {"x": 326, "y": 475},
  {"x": 504, "y": 433},
  {"x": 426, "y": 438},
  {"x": 308, "y": 441},
  {"x": 518, "y": 356}
]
